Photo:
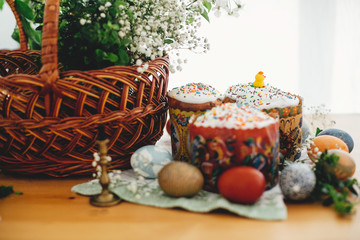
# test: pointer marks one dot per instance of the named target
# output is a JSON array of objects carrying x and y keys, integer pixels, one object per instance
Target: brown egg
[
  {"x": 180, "y": 179},
  {"x": 345, "y": 167},
  {"x": 321, "y": 143}
]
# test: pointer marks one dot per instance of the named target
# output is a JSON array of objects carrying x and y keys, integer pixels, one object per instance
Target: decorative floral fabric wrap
[
  {"x": 214, "y": 150},
  {"x": 148, "y": 192},
  {"x": 290, "y": 129},
  {"x": 180, "y": 138}
]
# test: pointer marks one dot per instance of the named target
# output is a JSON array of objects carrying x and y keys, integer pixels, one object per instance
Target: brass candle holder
[{"x": 105, "y": 198}]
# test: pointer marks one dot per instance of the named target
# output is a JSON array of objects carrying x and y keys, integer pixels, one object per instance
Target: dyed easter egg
[
  {"x": 242, "y": 184},
  {"x": 345, "y": 167},
  {"x": 339, "y": 134},
  {"x": 168, "y": 127},
  {"x": 149, "y": 160},
  {"x": 297, "y": 181},
  {"x": 321, "y": 143},
  {"x": 180, "y": 179}
]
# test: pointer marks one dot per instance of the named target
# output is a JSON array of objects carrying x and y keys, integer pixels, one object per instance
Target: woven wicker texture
[
  {"x": 22, "y": 60},
  {"x": 48, "y": 122}
]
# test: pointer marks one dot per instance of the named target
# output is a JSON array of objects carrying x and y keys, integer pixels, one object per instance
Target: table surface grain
[{"x": 49, "y": 210}]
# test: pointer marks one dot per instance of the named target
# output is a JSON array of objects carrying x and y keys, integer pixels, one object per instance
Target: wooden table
[{"x": 49, "y": 210}]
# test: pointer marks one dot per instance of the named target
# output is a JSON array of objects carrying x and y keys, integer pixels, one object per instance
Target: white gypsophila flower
[
  {"x": 138, "y": 62},
  {"x": 96, "y": 156},
  {"x": 157, "y": 28},
  {"x": 140, "y": 178},
  {"x": 122, "y": 34},
  {"x": 82, "y": 21}
]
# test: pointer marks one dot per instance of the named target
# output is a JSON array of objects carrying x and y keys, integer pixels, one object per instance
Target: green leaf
[
  {"x": 33, "y": 35},
  {"x": 207, "y": 5},
  {"x": 99, "y": 55},
  {"x": 329, "y": 189},
  {"x": 318, "y": 130},
  {"x": 63, "y": 24},
  {"x": 24, "y": 9},
  {"x": 205, "y": 15},
  {"x": 327, "y": 202},
  {"x": 1, "y": 4},
  {"x": 6, "y": 191},
  {"x": 15, "y": 35},
  {"x": 106, "y": 26},
  {"x": 112, "y": 57},
  {"x": 118, "y": 3},
  {"x": 168, "y": 41},
  {"x": 125, "y": 42},
  {"x": 124, "y": 57},
  {"x": 189, "y": 20},
  {"x": 116, "y": 27}
]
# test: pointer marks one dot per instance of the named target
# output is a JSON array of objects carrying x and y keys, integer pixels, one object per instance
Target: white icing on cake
[
  {"x": 263, "y": 98},
  {"x": 230, "y": 115},
  {"x": 195, "y": 93}
]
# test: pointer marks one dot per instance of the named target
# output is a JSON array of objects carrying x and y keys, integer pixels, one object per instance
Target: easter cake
[
  {"x": 228, "y": 135},
  {"x": 273, "y": 100},
  {"x": 184, "y": 101}
]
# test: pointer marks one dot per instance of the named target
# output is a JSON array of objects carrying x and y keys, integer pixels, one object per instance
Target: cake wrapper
[
  {"x": 214, "y": 150},
  {"x": 290, "y": 130},
  {"x": 180, "y": 138}
]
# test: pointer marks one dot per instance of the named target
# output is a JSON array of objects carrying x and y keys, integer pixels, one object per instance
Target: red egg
[
  {"x": 325, "y": 142},
  {"x": 168, "y": 126},
  {"x": 242, "y": 184},
  {"x": 345, "y": 167}
]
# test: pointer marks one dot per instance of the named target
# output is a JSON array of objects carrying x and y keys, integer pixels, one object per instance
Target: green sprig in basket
[{"x": 48, "y": 121}]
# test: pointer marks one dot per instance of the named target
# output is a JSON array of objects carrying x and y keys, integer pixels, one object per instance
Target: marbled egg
[
  {"x": 345, "y": 167},
  {"x": 297, "y": 181},
  {"x": 339, "y": 134},
  {"x": 325, "y": 142},
  {"x": 180, "y": 179},
  {"x": 149, "y": 160}
]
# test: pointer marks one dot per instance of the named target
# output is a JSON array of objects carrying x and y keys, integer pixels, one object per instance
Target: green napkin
[{"x": 128, "y": 186}]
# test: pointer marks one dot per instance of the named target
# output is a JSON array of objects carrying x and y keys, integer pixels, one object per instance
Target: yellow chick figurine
[{"x": 259, "y": 80}]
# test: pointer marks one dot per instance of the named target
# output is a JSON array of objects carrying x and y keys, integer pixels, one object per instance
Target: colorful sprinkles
[
  {"x": 230, "y": 115},
  {"x": 249, "y": 95},
  {"x": 195, "y": 90}
]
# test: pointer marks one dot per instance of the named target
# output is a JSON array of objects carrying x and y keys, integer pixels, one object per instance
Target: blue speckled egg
[
  {"x": 149, "y": 160},
  {"x": 297, "y": 181},
  {"x": 339, "y": 134}
]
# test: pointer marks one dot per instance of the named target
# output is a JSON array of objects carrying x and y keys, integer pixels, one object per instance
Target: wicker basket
[
  {"x": 22, "y": 60},
  {"x": 48, "y": 121}
]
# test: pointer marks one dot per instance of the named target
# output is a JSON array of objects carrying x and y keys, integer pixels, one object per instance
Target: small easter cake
[
  {"x": 228, "y": 135},
  {"x": 273, "y": 100},
  {"x": 183, "y": 102}
]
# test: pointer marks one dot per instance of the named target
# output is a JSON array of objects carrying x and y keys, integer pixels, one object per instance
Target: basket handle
[
  {"x": 22, "y": 36},
  {"x": 49, "y": 72}
]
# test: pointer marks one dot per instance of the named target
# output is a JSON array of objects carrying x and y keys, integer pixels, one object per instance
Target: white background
[{"x": 307, "y": 47}]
